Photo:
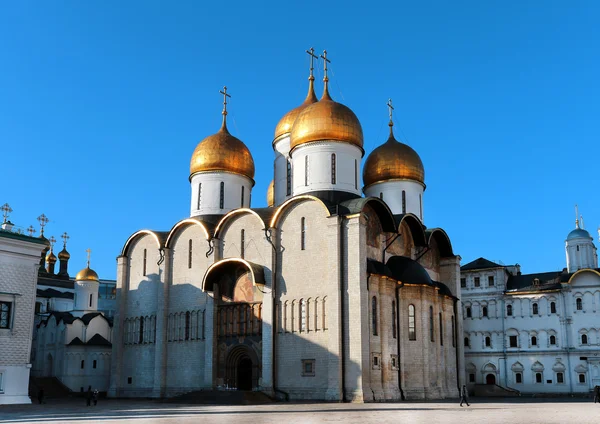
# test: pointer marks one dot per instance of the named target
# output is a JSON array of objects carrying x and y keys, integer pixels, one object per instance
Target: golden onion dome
[
  {"x": 285, "y": 124},
  {"x": 222, "y": 152},
  {"x": 63, "y": 255},
  {"x": 393, "y": 161},
  {"x": 51, "y": 257},
  {"x": 326, "y": 120},
  {"x": 86, "y": 274},
  {"x": 270, "y": 194}
]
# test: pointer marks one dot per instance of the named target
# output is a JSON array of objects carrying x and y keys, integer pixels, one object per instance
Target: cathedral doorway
[
  {"x": 241, "y": 369},
  {"x": 490, "y": 379}
]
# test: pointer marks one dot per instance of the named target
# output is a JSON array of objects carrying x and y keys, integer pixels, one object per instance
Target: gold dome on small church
[
  {"x": 86, "y": 274},
  {"x": 393, "y": 161},
  {"x": 326, "y": 120},
  {"x": 271, "y": 194},
  {"x": 222, "y": 152}
]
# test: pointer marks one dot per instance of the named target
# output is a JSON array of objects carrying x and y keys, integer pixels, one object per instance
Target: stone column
[
  {"x": 162, "y": 312},
  {"x": 117, "y": 333}
]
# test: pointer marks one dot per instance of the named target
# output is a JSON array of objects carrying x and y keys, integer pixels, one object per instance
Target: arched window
[
  {"x": 484, "y": 311},
  {"x": 488, "y": 342},
  {"x": 302, "y": 315},
  {"x": 403, "y": 201},
  {"x": 303, "y": 233},
  {"x": 144, "y": 266},
  {"x": 431, "y": 334},
  {"x": 535, "y": 308},
  {"x": 306, "y": 170},
  {"x": 289, "y": 178},
  {"x": 333, "y": 170},
  {"x": 199, "y": 196},
  {"x": 222, "y": 196},
  {"x": 552, "y": 307},
  {"x": 393, "y": 319},
  {"x": 533, "y": 341},
  {"x": 552, "y": 340},
  {"x": 441, "y": 331},
  {"x": 509, "y": 310},
  {"x": 242, "y": 199},
  {"x": 412, "y": 329},
  {"x": 189, "y": 253},
  {"x": 374, "y": 315},
  {"x": 466, "y": 342},
  {"x": 579, "y": 304},
  {"x": 242, "y": 243},
  {"x": 584, "y": 339},
  {"x": 468, "y": 312}
]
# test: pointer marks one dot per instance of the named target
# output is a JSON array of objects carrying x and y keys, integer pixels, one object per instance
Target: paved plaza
[{"x": 529, "y": 411}]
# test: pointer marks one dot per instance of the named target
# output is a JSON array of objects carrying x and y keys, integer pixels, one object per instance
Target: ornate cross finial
[
  {"x": 43, "y": 220},
  {"x": 52, "y": 240},
  {"x": 325, "y": 62},
  {"x": 225, "y": 95},
  {"x": 65, "y": 238},
  {"x": 31, "y": 230},
  {"x": 576, "y": 216},
  {"x": 89, "y": 254},
  {"x": 6, "y": 209},
  {"x": 313, "y": 56},
  {"x": 390, "y": 111}
]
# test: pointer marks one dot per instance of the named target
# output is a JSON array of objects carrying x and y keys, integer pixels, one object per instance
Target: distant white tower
[
  {"x": 86, "y": 290},
  {"x": 580, "y": 249}
]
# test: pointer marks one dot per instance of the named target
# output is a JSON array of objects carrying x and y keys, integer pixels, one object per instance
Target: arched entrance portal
[
  {"x": 490, "y": 379},
  {"x": 242, "y": 368}
]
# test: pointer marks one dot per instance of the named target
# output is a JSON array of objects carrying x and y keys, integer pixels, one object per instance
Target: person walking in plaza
[
  {"x": 95, "y": 397},
  {"x": 88, "y": 396},
  {"x": 464, "y": 396}
]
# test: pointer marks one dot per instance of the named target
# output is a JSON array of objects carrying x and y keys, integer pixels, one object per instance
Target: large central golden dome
[
  {"x": 285, "y": 124},
  {"x": 326, "y": 120},
  {"x": 393, "y": 161},
  {"x": 222, "y": 152}
]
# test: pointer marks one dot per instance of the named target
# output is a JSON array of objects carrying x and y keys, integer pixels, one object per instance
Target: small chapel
[{"x": 336, "y": 291}]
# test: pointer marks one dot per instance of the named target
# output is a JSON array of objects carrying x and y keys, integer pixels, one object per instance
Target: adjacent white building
[
  {"x": 536, "y": 333},
  {"x": 19, "y": 258}
]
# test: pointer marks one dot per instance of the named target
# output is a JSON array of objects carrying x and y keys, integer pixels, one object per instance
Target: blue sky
[{"x": 103, "y": 103}]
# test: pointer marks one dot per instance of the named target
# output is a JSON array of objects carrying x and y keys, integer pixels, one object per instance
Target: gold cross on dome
[
  {"x": 43, "y": 220},
  {"x": 65, "y": 238},
  {"x": 89, "y": 254},
  {"x": 6, "y": 209},
  {"x": 390, "y": 108},
  {"x": 313, "y": 56},
  {"x": 225, "y": 95},
  {"x": 325, "y": 62}
]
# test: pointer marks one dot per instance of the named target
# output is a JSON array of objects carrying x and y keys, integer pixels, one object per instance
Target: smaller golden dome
[
  {"x": 393, "y": 161},
  {"x": 86, "y": 274},
  {"x": 63, "y": 255},
  {"x": 326, "y": 120},
  {"x": 51, "y": 257},
  {"x": 270, "y": 194},
  {"x": 285, "y": 124}
]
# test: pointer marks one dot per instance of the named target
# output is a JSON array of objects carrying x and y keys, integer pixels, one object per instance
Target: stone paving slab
[{"x": 514, "y": 411}]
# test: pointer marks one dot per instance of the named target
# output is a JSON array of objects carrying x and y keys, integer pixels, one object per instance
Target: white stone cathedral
[{"x": 326, "y": 294}]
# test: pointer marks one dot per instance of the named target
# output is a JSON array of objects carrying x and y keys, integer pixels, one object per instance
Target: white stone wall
[
  {"x": 319, "y": 167},
  {"x": 391, "y": 193},
  {"x": 210, "y": 193},
  {"x": 18, "y": 276}
]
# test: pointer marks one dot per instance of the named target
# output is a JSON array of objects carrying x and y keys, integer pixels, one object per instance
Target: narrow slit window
[
  {"x": 222, "y": 196},
  {"x": 403, "y": 201},
  {"x": 333, "y": 176},
  {"x": 242, "y": 243},
  {"x": 189, "y": 253},
  {"x": 303, "y": 233}
]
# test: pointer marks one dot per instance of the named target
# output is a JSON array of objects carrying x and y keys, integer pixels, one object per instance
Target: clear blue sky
[{"x": 102, "y": 104}]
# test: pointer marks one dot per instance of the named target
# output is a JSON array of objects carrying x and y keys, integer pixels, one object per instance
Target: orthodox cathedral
[{"x": 332, "y": 292}]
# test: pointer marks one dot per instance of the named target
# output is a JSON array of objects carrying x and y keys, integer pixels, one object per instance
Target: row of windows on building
[
  {"x": 222, "y": 196},
  {"x": 477, "y": 281},
  {"x": 535, "y": 309},
  {"x": 412, "y": 328},
  {"x": 302, "y": 316}
]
